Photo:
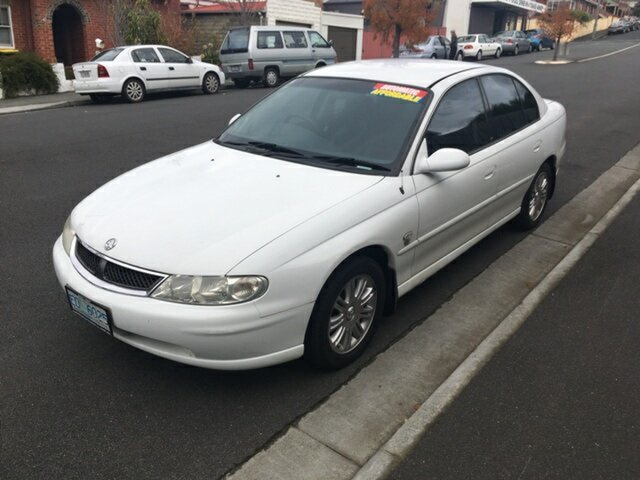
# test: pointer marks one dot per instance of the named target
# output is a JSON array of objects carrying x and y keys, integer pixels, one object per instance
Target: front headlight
[
  {"x": 210, "y": 290},
  {"x": 67, "y": 236}
]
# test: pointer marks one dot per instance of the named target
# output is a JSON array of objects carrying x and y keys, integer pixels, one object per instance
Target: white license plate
[
  {"x": 84, "y": 73},
  {"x": 234, "y": 68},
  {"x": 94, "y": 313}
]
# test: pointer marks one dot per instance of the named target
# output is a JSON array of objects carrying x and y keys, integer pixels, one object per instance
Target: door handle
[
  {"x": 144, "y": 69},
  {"x": 171, "y": 68},
  {"x": 313, "y": 50},
  {"x": 536, "y": 147},
  {"x": 489, "y": 175}
]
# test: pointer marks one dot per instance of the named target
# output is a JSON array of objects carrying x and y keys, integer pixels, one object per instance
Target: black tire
[
  {"x": 530, "y": 49},
  {"x": 133, "y": 91},
  {"x": 479, "y": 56},
  {"x": 318, "y": 347},
  {"x": 241, "y": 82},
  {"x": 99, "y": 98},
  {"x": 434, "y": 56},
  {"x": 516, "y": 50},
  {"x": 271, "y": 78},
  {"x": 210, "y": 83},
  {"x": 498, "y": 53},
  {"x": 459, "y": 56},
  {"x": 531, "y": 210}
]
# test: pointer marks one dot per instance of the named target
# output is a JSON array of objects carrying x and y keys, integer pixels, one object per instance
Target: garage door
[{"x": 344, "y": 42}]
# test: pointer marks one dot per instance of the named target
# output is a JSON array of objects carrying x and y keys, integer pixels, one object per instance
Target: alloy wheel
[
  {"x": 134, "y": 91},
  {"x": 352, "y": 314},
  {"x": 539, "y": 196},
  {"x": 211, "y": 83}
]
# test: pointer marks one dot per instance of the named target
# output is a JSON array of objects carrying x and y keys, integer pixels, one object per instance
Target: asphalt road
[{"x": 76, "y": 404}]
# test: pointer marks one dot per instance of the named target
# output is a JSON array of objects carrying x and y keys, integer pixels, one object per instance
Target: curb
[
  {"x": 41, "y": 106},
  {"x": 367, "y": 427}
]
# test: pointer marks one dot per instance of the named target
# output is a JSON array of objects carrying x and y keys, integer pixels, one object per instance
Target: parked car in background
[
  {"x": 268, "y": 54},
  {"x": 287, "y": 236},
  {"x": 539, "y": 40},
  {"x": 513, "y": 41},
  {"x": 620, "y": 26},
  {"x": 477, "y": 46},
  {"x": 134, "y": 71},
  {"x": 436, "y": 46}
]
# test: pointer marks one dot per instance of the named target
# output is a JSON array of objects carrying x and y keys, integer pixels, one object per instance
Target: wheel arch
[{"x": 133, "y": 77}]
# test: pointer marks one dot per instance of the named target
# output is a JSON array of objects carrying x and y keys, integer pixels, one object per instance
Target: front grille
[{"x": 114, "y": 273}]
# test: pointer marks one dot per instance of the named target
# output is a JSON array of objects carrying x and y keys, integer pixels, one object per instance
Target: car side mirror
[
  {"x": 234, "y": 118},
  {"x": 331, "y": 42},
  {"x": 443, "y": 160}
]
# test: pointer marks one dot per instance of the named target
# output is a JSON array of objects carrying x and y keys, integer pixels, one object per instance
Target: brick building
[{"x": 60, "y": 31}]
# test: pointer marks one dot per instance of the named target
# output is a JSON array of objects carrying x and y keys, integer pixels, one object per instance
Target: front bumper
[{"x": 232, "y": 337}]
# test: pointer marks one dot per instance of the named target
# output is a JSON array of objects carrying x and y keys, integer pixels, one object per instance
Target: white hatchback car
[
  {"x": 477, "y": 46},
  {"x": 134, "y": 71},
  {"x": 298, "y": 227}
]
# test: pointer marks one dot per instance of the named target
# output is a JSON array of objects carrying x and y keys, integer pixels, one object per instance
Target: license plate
[
  {"x": 84, "y": 73},
  {"x": 95, "y": 314},
  {"x": 234, "y": 68}
]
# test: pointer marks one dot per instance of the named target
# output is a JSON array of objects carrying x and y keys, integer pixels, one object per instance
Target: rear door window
[
  {"x": 505, "y": 110},
  {"x": 269, "y": 40},
  {"x": 145, "y": 55},
  {"x": 171, "y": 56},
  {"x": 528, "y": 101},
  {"x": 294, "y": 39},
  {"x": 460, "y": 120},
  {"x": 236, "y": 41}
]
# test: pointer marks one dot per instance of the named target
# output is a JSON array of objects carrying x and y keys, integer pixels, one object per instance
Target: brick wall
[
  {"x": 214, "y": 26},
  {"x": 33, "y": 21}
]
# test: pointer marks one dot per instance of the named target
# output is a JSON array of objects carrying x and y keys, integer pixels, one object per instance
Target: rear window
[
  {"x": 236, "y": 41},
  {"x": 468, "y": 38},
  {"x": 108, "y": 55}
]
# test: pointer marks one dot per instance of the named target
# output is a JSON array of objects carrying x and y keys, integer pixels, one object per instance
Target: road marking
[
  {"x": 609, "y": 54},
  {"x": 374, "y": 421}
]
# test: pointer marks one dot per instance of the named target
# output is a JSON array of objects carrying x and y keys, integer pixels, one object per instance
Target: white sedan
[
  {"x": 137, "y": 70},
  {"x": 477, "y": 46},
  {"x": 298, "y": 227}
]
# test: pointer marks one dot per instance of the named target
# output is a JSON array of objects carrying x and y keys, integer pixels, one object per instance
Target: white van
[{"x": 270, "y": 53}]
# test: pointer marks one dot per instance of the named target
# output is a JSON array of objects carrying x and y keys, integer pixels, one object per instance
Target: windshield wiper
[
  {"x": 350, "y": 162},
  {"x": 268, "y": 147}
]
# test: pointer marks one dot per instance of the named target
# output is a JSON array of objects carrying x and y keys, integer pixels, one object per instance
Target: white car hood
[{"x": 203, "y": 210}]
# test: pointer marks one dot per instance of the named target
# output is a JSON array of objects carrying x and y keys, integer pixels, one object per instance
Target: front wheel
[
  {"x": 210, "y": 83},
  {"x": 133, "y": 91},
  {"x": 536, "y": 199},
  {"x": 530, "y": 49},
  {"x": 345, "y": 314}
]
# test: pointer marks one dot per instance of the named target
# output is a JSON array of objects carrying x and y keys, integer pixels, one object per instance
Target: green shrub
[
  {"x": 25, "y": 71},
  {"x": 210, "y": 52}
]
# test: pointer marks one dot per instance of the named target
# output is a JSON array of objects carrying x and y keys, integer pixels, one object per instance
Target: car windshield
[
  {"x": 333, "y": 123},
  {"x": 108, "y": 55},
  {"x": 236, "y": 41}
]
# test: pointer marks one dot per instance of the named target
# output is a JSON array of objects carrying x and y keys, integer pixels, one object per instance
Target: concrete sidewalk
[{"x": 41, "y": 102}]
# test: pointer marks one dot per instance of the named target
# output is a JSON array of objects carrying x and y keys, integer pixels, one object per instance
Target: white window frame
[{"x": 13, "y": 41}]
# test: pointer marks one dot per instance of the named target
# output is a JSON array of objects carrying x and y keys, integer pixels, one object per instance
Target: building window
[{"x": 6, "y": 34}]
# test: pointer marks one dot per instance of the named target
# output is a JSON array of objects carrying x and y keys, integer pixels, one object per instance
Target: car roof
[{"x": 402, "y": 71}]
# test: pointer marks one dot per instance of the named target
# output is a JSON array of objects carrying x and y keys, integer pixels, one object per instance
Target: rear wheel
[
  {"x": 479, "y": 55},
  {"x": 460, "y": 56},
  {"x": 210, "y": 83},
  {"x": 271, "y": 78},
  {"x": 133, "y": 91},
  {"x": 433, "y": 55},
  {"x": 498, "y": 53},
  {"x": 536, "y": 199},
  {"x": 530, "y": 49},
  {"x": 516, "y": 50},
  {"x": 345, "y": 314}
]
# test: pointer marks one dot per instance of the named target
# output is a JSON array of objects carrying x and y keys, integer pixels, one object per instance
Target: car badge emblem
[{"x": 110, "y": 244}]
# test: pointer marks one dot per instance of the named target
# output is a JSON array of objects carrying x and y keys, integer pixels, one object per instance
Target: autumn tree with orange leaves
[
  {"x": 561, "y": 23},
  {"x": 392, "y": 19}
]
